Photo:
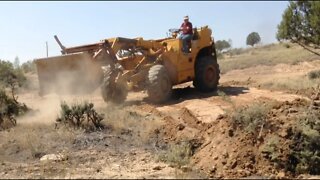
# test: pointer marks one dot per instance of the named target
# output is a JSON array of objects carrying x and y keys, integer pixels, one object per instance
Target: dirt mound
[{"x": 230, "y": 152}]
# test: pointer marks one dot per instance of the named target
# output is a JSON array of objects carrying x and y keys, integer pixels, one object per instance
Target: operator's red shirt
[{"x": 186, "y": 28}]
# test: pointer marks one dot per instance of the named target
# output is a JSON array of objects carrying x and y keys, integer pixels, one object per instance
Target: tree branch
[{"x": 305, "y": 47}]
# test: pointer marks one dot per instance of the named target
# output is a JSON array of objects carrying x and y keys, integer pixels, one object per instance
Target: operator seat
[{"x": 195, "y": 36}]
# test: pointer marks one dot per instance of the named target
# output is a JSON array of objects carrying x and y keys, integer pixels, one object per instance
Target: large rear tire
[
  {"x": 207, "y": 74},
  {"x": 159, "y": 84},
  {"x": 111, "y": 91}
]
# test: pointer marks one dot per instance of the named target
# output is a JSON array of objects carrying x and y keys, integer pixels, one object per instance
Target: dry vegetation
[
  {"x": 291, "y": 146},
  {"x": 265, "y": 55},
  {"x": 298, "y": 84},
  {"x": 251, "y": 118}
]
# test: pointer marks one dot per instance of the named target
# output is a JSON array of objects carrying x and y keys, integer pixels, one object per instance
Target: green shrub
[
  {"x": 271, "y": 150},
  {"x": 305, "y": 154},
  {"x": 9, "y": 109},
  {"x": 315, "y": 74},
  {"x": 9, "y": 75},
  {"x": 28, "y": 66},
  {"x": 287, "y": 45},
  {"x": 81, "y": 115},
  {"x": 250, "y": 118}
]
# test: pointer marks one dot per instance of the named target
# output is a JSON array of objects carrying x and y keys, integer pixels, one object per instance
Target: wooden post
[{"x": 47, "y": 48}]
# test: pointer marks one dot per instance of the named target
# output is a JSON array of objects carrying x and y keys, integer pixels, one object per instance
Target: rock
[
  {"x": 180, "y": 127},
  {"x": 316, "y": 103},
  {"x": 313, "y": 177},
  {"x": 38, "y": 154},
  {"x": 248, "y": 165},
  {"x": 273, "y": 171},
  {"x": 234, "y": 150},
  {"x": 283, "y": 133},
  {"x": 53, "y": 157},
  {"x": 225, "y": 154},
  {"x": 308, "y": 176},
  {"x": 272, "y": 176},
  {"x": 218, "y": 176},
  {"x": 255, "y": 177},
  {"x": 157, "y": 168},
  {"x": 213, "y": 169},
  {"x": 223, "y": 162},
  {"x": 185, "y": 168},
  {"x": 243, "y": 172},
  {"x": 234, "y": 164},
  {"x": 230, "y": 132},
  {"x": 220, "y": 116},
  {"x": 292, "y": 110},
  {"x": 215, "y": 158},
  {"x": 281, "y": 175}
]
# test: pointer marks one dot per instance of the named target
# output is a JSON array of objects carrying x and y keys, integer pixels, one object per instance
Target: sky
[{"x": 25, "y": 27}]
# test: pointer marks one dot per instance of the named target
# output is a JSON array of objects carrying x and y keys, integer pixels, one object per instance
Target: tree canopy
[
  {"x": 222, "y": 45},
  {"x": 253, "y": 38},
  {"x": 301, "y": 24}
]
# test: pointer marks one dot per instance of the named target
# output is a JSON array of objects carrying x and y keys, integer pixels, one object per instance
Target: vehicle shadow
[{"x": 188, "y": 93}]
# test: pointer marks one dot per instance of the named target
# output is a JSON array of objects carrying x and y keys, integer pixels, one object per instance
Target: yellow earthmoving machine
[{"x": 119, "y": 65}]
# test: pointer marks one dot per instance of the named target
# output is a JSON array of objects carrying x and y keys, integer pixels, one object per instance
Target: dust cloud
[
  {"x": 70, "y": 80},
  {"x": 70, "y": 74}
]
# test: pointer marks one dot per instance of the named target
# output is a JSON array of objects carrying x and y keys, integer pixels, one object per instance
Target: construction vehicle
[{"x": 119, "y": 65}]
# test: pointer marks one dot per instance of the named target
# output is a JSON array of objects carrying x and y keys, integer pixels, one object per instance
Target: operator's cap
[{"x": 186, "y": 17}]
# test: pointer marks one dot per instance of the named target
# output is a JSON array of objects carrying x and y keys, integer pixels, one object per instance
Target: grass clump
[
  {"x": 251, "y": 118},
  {"x": 82, "y": 115},
  {"x": 179, "y": 154}
]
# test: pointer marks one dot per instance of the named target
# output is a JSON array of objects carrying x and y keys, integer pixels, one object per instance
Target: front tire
[
  {"x": 159, "y": 84},
  {"x": 112, "y": 91},
  {"x": 207, "y": 74}
]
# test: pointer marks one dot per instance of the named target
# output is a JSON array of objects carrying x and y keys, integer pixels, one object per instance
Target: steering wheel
[{"x": 174, "y": 30}]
